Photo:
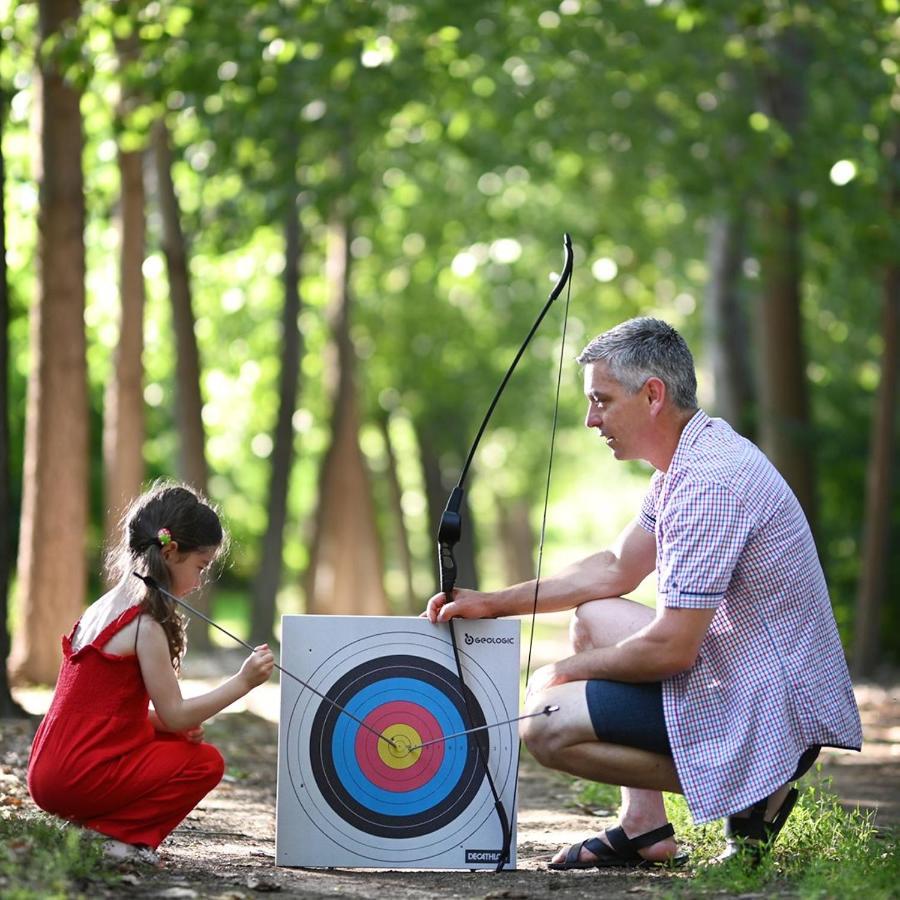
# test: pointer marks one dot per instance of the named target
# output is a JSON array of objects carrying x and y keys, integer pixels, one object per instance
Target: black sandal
[
  {"x": 621, "y": 852},
  {"x": 753, "y": 835}
]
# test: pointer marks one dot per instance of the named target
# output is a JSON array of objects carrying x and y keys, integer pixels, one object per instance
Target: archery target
[{"x": 378, "y": 764}]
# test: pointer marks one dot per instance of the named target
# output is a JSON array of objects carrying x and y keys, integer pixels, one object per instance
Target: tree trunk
[
  {"x": 345, "y": 574},
  {"x": 726, "y": 325},
  {"x": 52, "y": 560},
  {"x": 188, "y": 402},
  {"x": 123, "y": 421},
  {"x": 412, "y": 605},
  {"x": 8, "y": 706},
  {"x": 436, "y": 494},
  {"x": 879, "y": 481},
  {"x": 784, "y": 426},
  {"x": 269, "y": 575},
  {"x": 517, "y": 540}
]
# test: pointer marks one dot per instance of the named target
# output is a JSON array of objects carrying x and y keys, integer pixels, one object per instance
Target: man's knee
[
  {"x": 602, "y": 623},
  {"x": 580, "y": 632},
  {"x": 538, "y": 733}
]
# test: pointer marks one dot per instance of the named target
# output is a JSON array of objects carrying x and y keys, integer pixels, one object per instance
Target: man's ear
[{"x": 656, "y": 394}]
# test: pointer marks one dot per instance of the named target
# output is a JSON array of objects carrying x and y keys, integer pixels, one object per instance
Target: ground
[{"x": 225, "y": 848}]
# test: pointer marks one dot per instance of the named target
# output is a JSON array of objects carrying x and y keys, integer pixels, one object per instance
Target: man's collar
[{"x": 689, "y": 435}]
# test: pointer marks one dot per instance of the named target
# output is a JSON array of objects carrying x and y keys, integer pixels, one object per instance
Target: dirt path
[{"x": 225, "y": 848}]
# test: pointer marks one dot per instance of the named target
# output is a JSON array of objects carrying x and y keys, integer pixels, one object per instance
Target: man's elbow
[{"x": 677, "y": 661}]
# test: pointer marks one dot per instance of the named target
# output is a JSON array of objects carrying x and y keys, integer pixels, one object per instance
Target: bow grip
[{"x": 449, "y": 533}]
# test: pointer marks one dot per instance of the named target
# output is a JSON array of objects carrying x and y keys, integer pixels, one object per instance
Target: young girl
[{"x": 101, "y": 758}]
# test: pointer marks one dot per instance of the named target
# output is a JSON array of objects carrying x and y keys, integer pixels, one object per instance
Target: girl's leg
[{"x": 190, "y": 772}]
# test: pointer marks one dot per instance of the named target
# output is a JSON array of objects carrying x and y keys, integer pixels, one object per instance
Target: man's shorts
[
  {"x": 628, "y": 714},
  {"x": 632, "y": 715}
]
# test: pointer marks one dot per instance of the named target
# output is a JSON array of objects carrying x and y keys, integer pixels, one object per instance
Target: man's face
[{"x": 618, "y": 415}]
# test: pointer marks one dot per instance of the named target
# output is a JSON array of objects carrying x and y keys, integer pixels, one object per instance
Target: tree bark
[
  {"x": 8, "y": 706},
  {"x": 123, "y": 421},
  {"x": 784, "y": 426},
  {"x": 726, "y": 324},
  {"x": 188, "y": 401},
  {"x": 412, "y": 605},
  {"x": 517, "y": 539},
  {"x": 345, "y": 574},
  {"x": 875, "y": 560},
  {"x": 269, "y": 575},
  {"x": 52, "y": 559}
]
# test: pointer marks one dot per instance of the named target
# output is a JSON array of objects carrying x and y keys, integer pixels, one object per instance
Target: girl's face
[{"x": 186, "y": 569}]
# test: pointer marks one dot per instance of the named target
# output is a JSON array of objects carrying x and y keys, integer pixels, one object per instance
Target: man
[{"x": 728, "y": 691}]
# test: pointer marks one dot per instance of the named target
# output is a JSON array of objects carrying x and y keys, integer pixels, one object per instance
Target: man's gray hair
[{"x": 643, "y": 348}]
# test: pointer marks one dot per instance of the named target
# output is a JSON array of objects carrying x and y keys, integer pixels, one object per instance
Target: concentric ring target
[
  {"x": 381, "y": 789},
  {"x": 397, "y": 801}
]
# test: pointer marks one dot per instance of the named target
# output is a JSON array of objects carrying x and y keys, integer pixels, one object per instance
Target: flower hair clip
[{"x": 163, "y": 537}]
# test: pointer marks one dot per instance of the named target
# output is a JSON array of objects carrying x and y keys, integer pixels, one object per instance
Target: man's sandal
[
  {"x": 620, "y": 852},
  {"x": 752, "y": 835}
]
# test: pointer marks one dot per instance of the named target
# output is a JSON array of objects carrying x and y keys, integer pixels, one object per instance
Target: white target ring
[{"x": 403, "y": 801}]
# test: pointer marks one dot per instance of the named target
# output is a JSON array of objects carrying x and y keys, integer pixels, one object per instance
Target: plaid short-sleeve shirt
[{"x": 770, "y": 679}]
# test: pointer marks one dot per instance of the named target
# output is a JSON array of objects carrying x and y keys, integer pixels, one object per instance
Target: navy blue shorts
[
  {"x": 632, "y": 715},
  {"x": 628, "y": 714}
]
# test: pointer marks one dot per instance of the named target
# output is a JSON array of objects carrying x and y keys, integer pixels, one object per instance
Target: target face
[{"x": 378, "y": 763}]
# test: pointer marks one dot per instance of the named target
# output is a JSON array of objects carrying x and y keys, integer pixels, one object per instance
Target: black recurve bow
[{"x": 449, "y": 533}]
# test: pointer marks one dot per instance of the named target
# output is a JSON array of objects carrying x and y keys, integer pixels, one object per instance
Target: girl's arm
[{"x": 173, "y": 711}]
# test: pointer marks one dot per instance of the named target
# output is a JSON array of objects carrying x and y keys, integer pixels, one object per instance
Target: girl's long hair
[{"x": 193, "y": 524}]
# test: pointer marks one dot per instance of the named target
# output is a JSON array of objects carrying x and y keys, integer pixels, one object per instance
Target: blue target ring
[
  {"x": 401, "y": 813},
  {"x": 394, "y": 802}
]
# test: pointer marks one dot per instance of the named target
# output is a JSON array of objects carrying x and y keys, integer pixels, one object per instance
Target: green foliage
[
  {"x": 43, "y": 859},
  {"x": 462, "y": 140},
  {"x": 823, "y": 851}
]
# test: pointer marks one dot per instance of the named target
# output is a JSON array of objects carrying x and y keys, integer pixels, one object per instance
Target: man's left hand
[{"x": 546, "y": 677}]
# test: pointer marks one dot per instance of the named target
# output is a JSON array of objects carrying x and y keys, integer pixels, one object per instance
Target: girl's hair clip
[{"x": 163, "y": 537}]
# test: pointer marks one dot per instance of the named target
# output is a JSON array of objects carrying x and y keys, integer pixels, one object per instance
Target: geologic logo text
[{"x": 487, "y": 640}]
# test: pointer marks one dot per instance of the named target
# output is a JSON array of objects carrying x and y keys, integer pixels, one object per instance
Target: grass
[
  {"x": 44, "y": 859},
  {"x": 824, "y": 851}
]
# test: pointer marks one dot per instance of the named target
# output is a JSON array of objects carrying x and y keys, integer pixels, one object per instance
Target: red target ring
[{"x": 396, "y": 772}]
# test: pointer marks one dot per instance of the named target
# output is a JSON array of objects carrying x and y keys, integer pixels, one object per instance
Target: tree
[
  {"x": 726, "y": 322},
  {"x": 345, "y": 573},
  {"x": 188, "y": 400},
  {"x": 52, "y": 558},
  {"x": 265, "y": 591},
  {"x": 784, "y": 397},
  {"x": 8, "y": 706},
  {"x": 123, "y": 422},
  {"x": 883, "y": 444}
]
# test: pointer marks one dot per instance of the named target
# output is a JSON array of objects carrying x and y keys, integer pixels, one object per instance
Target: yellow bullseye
[{"x": 400, "y": 756}]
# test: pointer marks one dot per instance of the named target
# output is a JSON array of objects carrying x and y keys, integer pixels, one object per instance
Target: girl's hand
[
  {"x": 257, "y": 666},
  {"x": 194, "y": 735}
]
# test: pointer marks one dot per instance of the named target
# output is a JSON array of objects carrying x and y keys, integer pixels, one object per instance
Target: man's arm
[{"x": 609, "y": 573}]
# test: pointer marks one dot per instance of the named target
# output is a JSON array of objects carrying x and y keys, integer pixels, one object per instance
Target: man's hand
[
  {"x": 465, "y": 604},
  {"x": 545, "y": 677}
]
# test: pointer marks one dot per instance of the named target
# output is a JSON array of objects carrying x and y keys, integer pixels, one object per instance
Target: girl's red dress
[{"x": 98, "y": 761}]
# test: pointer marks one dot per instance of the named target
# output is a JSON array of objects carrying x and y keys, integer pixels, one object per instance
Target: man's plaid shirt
[{"x": 770, "y": 679}]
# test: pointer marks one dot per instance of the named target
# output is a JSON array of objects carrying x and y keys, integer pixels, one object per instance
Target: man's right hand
[{"x": 465, "y": 604}]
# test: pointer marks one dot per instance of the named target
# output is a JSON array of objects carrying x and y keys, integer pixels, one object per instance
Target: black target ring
[{"x": 440, "y": 798}]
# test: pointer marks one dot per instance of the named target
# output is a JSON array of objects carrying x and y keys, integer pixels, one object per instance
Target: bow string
[{"x": 450, "y": 530}]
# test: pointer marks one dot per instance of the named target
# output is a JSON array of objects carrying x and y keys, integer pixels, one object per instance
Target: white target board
[{"x": 347, "y": 797}]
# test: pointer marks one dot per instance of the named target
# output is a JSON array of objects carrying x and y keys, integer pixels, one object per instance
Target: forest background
[{"x": 287, "y": 250}]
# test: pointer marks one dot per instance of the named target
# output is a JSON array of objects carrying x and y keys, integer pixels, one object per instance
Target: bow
[{"x": 450, "y": 529}]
